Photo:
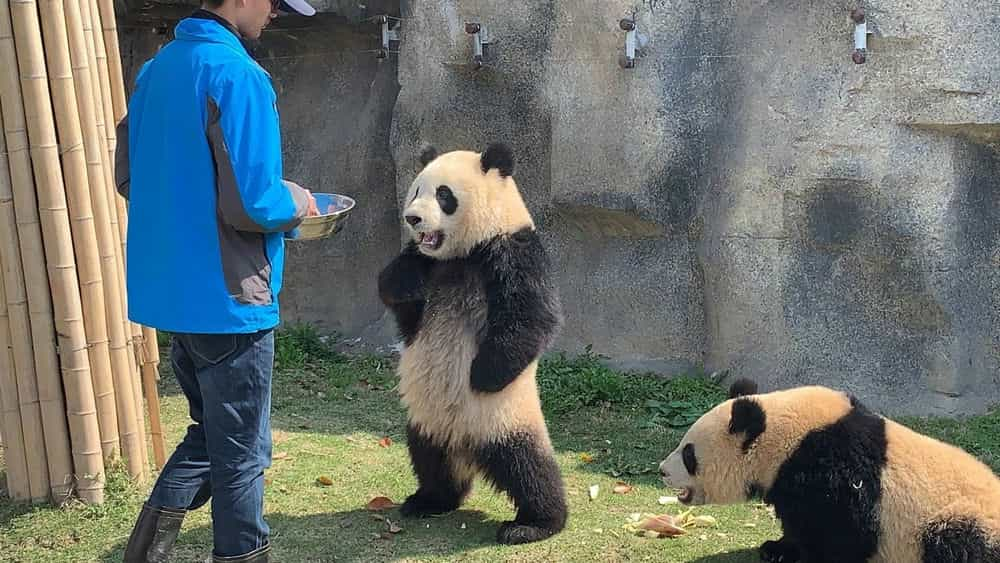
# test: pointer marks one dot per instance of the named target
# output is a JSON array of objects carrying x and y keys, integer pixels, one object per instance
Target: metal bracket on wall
[
  {"x": 635, "y": 41},
  {"x": 860, "y": 54},
  {"x": 388, "y": 32},
  {"x": 479, "y": 41},
  {"x": 628, "y": 26}
]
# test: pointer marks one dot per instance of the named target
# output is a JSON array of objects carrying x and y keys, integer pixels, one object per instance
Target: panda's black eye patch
[
  {"x": 690, "y": 460},
  {"x": 446, "y": 199}
]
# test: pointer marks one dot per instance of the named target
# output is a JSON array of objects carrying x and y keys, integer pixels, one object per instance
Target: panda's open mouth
[
  {"x": 432, "y": 240},
  {"x": 685, "y": 494}
]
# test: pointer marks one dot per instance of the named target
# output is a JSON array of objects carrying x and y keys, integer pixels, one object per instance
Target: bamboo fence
[{"x": 74, "y": 371}]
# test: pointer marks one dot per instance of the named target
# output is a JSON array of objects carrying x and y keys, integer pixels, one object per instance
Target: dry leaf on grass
[
  {"x": 586, "y": 458},
  {"x": 279, "y": 455},
  {"x": 385, "y": 442},
  {"x": 380, "y": 503},
  {"x": 324, "y": 480},
  {"x": 668, "y": 500},
  {"x": 621, "y": 488}
]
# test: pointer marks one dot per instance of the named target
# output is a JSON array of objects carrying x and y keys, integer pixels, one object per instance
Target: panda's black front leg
[
  {"x": 401, "y": 288},
  {"x": 523, "y": 312}
]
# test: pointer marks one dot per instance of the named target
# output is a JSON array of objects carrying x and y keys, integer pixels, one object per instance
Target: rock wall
[{"x": 745, "y": 198}]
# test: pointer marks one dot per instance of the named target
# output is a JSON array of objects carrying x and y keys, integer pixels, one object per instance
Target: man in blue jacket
[{"x": 199, "y": 160}]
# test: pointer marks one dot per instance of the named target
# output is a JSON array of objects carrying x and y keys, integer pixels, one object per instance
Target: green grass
[{"x": 330, "y": 414}]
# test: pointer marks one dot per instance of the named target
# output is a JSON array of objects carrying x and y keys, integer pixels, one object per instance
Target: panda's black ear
[
  {"x": 741, "y": 387},
  {"x": 499, "y": 156},
  {"x": 427, "y": 153},
  {"x": 748, "y": 418}
]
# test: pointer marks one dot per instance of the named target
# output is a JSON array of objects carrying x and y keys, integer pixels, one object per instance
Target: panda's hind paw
[
  {"x": 512, "y": 533},
  {"x": 419, "y": 506}
]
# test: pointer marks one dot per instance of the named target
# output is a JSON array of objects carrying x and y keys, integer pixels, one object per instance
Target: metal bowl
[{"x": 334, "y": 210}]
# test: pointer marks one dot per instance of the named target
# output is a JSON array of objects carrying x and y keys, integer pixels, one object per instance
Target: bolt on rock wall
[{"x": 745, "y": 198}]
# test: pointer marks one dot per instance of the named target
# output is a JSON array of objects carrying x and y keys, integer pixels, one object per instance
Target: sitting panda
[
  {"x": 475, "y": 308},
  {"x": 847, "y": 484}
]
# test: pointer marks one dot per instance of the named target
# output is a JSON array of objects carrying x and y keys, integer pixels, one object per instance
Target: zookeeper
[{"x": 199, "y": 160}]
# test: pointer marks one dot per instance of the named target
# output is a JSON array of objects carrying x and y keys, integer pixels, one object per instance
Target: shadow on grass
[
  {"x": 355, "y": 535},
  {"x": 10, "y": 510},
  {"x": 741, "y": 556}
]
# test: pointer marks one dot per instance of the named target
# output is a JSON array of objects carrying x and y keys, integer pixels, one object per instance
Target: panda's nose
[{"x": 412, "y": 220}]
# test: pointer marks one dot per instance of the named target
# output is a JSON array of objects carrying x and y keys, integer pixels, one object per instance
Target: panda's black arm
[
  {"x": 402, "y": 280},
  {"x": 523, "y": 311},
  {"x": 401, "y": 288}
]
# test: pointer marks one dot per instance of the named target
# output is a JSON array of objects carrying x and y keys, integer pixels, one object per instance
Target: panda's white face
[
  {"x": 697, "y": 465},
  {"x": 432, "y": 216},
  {"x": 712, "y": 463},
  {"x": 453, "y": 204}
]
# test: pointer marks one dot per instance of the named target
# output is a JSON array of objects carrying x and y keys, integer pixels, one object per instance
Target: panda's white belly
[{"x": 435, "y": 374}]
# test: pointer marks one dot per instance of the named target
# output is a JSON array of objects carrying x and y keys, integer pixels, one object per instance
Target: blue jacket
[{"x": 199, "y": 160}]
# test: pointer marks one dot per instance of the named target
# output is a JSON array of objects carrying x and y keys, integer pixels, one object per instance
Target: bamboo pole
[
  {"x": 27, "y": 69},
  {"x": 149, "y": 378},
  {"x": 105, "y": 14},
  {"x": 120, "y": 108},
  {"x": 117, "y": 209},
  {"x": 137, "y": 385},
  {"x": 110, "y": 27},
  {"x": 18, "y": 476},
  {"x": 80, "y": 401},
  {"x": 131, "y": 443},
  {"x": 19, "y": 479},
  {"x": 104, "y": 82},
  {"x": 17, "y": 343}
]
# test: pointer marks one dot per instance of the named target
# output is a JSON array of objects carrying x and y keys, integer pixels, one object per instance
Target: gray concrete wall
[{"x": 745, "y": 198}]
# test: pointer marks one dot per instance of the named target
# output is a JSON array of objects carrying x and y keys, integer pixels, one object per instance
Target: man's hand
[{"x": 313, "y": 210}]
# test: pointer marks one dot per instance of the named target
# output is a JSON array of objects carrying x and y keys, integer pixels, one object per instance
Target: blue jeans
[{"x": 227, "y": 381}]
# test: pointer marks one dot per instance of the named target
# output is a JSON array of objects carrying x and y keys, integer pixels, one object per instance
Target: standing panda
[
  {"x": 475, "y": 308},
  {"x": 848, "y": 485}
]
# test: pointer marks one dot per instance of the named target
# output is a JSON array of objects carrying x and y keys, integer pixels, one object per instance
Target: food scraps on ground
[{"x": 666, "y": 525}]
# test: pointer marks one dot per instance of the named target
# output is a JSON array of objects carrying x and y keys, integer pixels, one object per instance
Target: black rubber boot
[
  {"x": 154, "y": 534},
  {"x": 259, "y": 555}
]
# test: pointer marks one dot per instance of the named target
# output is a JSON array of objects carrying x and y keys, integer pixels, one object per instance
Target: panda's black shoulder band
[{"x": 523, "y": 311}]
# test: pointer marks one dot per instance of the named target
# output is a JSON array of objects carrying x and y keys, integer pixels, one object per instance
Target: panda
[
  {"x": 475, "y": 308},
  {"x": 848, "y": 485}
]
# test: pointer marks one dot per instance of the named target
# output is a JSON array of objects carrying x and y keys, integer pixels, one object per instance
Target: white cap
[{"x": 296, "y": 7}]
